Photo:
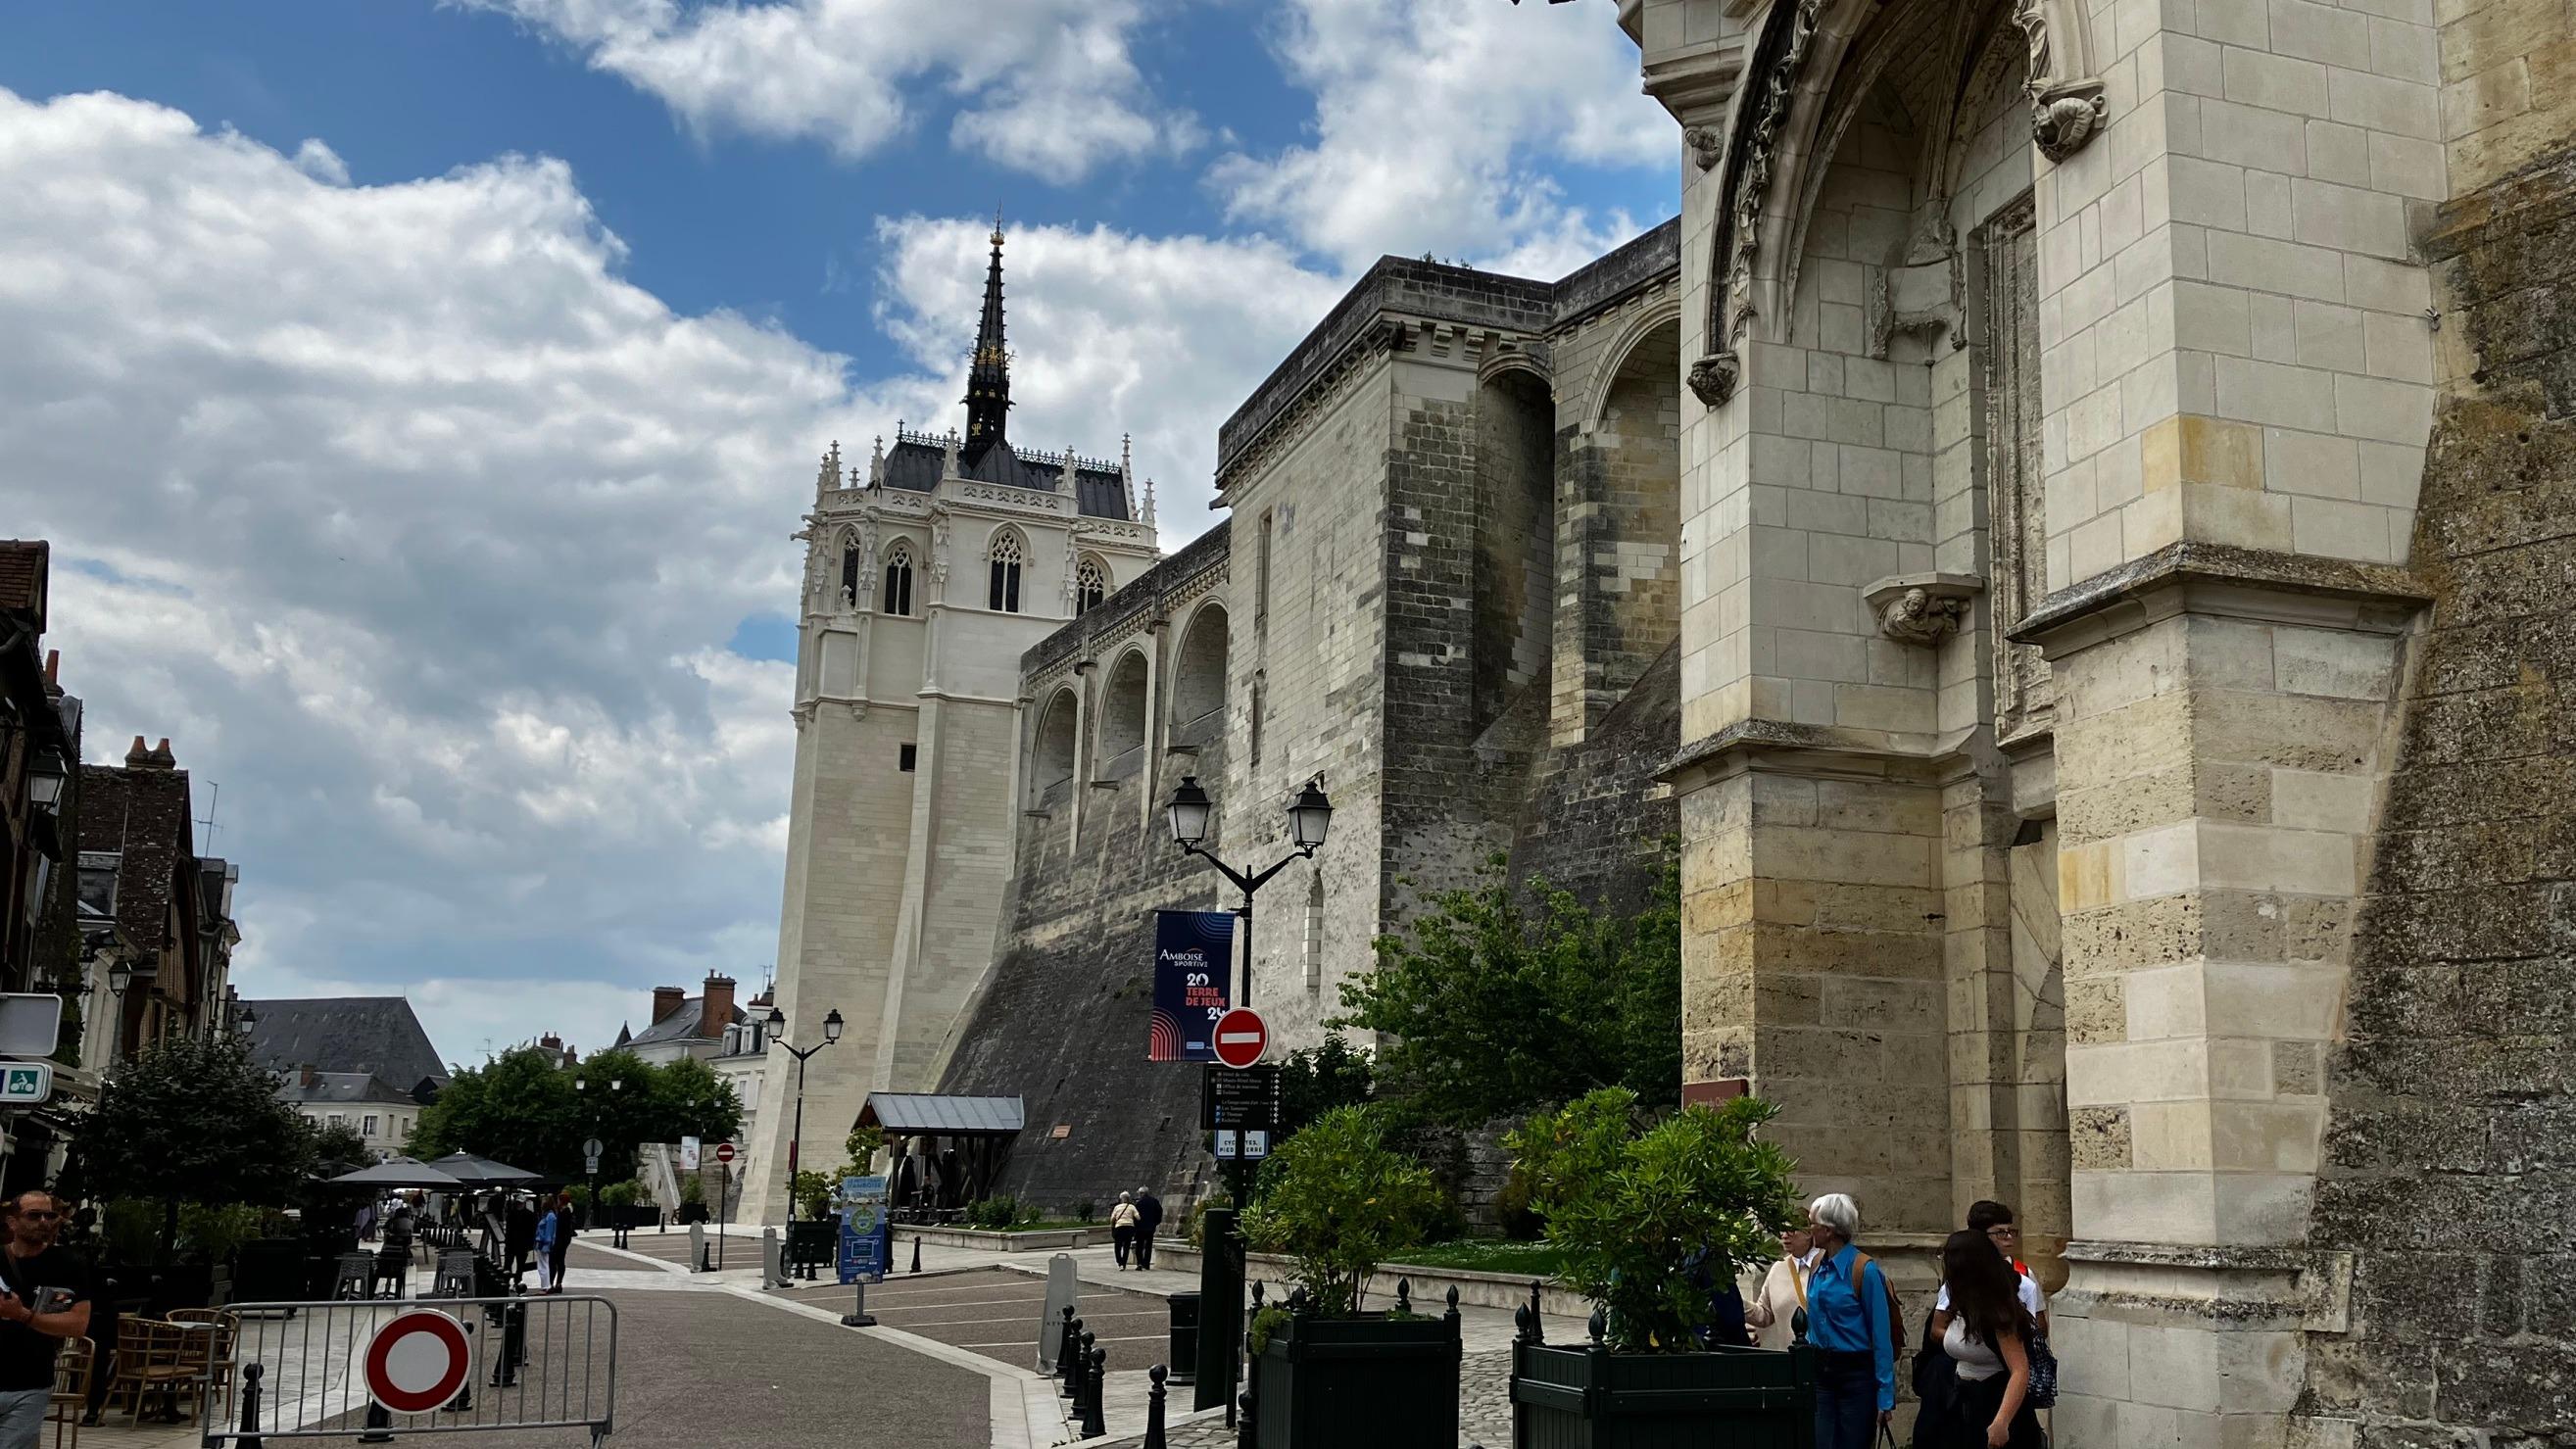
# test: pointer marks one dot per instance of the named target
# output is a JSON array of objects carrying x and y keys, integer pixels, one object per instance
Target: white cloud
[
  {"x": 421, "y": 530},
  {"x": 1045, "y": 86},
  {"x": 1434, "y": 123},
  {"x": 319, "y": 161}
]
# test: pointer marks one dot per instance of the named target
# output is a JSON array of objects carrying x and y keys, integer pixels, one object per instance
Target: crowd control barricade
[{"x": 303, "y": 1370}]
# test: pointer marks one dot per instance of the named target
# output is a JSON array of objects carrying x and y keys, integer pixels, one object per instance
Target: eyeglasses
[
  {"x": 35, "y": 1216},
  {"x": 2003, "y": 1231}
]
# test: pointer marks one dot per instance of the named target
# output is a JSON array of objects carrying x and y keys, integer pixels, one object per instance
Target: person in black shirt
[{"x": 44, "y": 1299}]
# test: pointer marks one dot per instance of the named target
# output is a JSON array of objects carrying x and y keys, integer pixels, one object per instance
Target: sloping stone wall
[{"x": 2450, "y": 1170}]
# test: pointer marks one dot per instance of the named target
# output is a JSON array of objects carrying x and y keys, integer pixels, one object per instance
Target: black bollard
[
  {"x": 916, "y": 1252},
  {"x": 1094, "y": 1416},
  {"x": 1068, "y": 1356},
  {"x": 380, "y": 1422},
  {"x": 251, "y": 1375},
  {"x": 1154, "y": 1407},
  {"x": 1538, "y": 1330}
]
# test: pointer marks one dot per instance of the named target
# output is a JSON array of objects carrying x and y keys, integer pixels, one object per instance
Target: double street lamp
[
  {"x": 1310, "y": 815},
  {"x": 778, "y": 1037}
]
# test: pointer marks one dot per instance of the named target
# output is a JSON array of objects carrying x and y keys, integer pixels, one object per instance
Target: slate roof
[
  {"x": 22, "y": 579},
  {"x": 914, "y": 463},
  {"x": 680, "y": 1025},
  {"x": 368, "y": 1035},
  {"x": 334, "y": 1089}
]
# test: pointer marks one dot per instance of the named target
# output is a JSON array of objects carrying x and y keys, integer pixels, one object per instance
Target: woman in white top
[
  {"x": 1996, "y": 1221},
  {"x": 1987, "y": 1334},
  {"x": 1783, "y": 1290},
  {"x": 1122, "y": 1227}
]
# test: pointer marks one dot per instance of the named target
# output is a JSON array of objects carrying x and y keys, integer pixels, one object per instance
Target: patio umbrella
[
  {"x": 472, "y": 1171},
  {"x": 400, "y": 1172}
]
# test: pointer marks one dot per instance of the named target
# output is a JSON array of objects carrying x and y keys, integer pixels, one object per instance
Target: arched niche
[
  {"x": 1052, "y": 763},
  {"x": 1122, "y": 712},
  {"x": 1198, "y": 668}
]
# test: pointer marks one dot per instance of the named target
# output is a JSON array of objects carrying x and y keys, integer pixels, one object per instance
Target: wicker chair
[
  {"x": 223, "y": 1329},
  {"x": 74, "y": 1362}
]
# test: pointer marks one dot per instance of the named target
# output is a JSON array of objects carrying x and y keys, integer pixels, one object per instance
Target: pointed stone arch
[
  {"x": 1199, "y": 666},
  {"x": 1123, "y": 720},
  {"x": 1055, "y": 750}
]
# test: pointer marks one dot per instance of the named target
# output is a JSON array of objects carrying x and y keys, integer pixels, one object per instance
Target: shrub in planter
[
  {"x": 1646, "y": 1218},
  {"x": 1339, "y": 1200}
]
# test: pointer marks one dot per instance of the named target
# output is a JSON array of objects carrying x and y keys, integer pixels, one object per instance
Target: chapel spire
[{"x": 988, "y": 377}]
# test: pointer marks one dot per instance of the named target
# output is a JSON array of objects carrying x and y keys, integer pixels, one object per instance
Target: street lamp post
[
  {"x": 1221, "y": 1267},
  {"x": 1310, "y": 815},
  {"x": 778, "y": 1037},
  {"x": 590, "y": 1160}
]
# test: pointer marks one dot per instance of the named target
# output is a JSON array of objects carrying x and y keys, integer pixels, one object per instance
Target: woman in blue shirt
[{"x": 1848, "y": 1323}]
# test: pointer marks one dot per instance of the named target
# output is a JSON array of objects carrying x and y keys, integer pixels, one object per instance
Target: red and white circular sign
[
  {"x": 724, "y": 1152},
  {"x": 418, "y": 1360},
  {"x": 1241, "y": 1037}
]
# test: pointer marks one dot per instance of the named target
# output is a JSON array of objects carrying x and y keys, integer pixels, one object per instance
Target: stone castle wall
[{"x": 2449, "y": 1176}]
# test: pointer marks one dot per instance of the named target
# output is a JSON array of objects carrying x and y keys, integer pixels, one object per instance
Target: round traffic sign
[
  {"x": 724, "y": 1153},
  {"x": 1241, "y": 1037},
  {"x": 418, "y": 1360}
]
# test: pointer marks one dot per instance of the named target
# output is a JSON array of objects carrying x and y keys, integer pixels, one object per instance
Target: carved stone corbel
[
  {"x": 2066, "y": 102},
  {"x": 1707, "y": 145},
  {"x": 1923, "y": 608},
  {"x": 1713, "y": 378},
  {"x": 1922, "y": 287}
]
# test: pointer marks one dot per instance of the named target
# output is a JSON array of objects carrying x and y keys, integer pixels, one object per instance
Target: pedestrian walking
[
  {"x": 1774, "y": 1310},
  {"x": 1994, "y": 1222},
  {"x": 1987, "y": 1333},
  {"x": 1122, "y": 1227},
  {"x": 393, "y": 1257},
  {"x": 1851, "y": 1321},
  {"x": 520, "y": 1234},
  {"x": 545, "y": 1246},
  {"x": 564, "y": 1234},
  {"x": 1149, "y": 1221},
  {"x": 44, "y": 1299}
]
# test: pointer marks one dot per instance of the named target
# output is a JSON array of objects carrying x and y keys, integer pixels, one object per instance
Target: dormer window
[
  {"x": 1002, "y": 595},
  {"x": 896, "y": 597},
  {"x": 1090, "y": 586}
]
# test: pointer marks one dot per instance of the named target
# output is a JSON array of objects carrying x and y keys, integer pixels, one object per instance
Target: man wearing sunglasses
[{"x": 44, "y": 1299}]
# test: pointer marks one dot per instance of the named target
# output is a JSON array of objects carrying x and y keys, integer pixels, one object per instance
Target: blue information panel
[
  {"x": 866, "y": 1236},
  {"x": 1193, "y": 972}
]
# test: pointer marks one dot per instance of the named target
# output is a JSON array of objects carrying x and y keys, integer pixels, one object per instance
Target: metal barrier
[{"x": 533, "y": 1362}]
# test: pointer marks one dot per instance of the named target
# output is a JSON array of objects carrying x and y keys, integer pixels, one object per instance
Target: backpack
[
  {"x": 2043, "y": 1373},
  {"x": 1895, "y": 1315}
]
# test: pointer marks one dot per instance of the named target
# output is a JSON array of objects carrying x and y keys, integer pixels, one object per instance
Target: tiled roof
[
  {"x": 337, "y": 1088},
  {"x": 141, "y": 813},
  {"x": 680, "y": 1025},
  {"x": 371, "y": 1035},
  {"x": 22, "y": 578}
]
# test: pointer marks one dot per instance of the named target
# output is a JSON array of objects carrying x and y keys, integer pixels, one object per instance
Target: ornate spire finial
[
  {"x": 1149, "y": 502},
  {"x": 1126, "y": 452},
  {"x": 988, "y": 376}
]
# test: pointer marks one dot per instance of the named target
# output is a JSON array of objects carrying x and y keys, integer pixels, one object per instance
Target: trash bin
[{"x": 1184, "y": 1362}]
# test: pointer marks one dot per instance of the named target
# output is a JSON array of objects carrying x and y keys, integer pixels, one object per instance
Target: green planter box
[
  {"x": 1333, "y": 1383},
  {"x": 1590, "y": 1398}
]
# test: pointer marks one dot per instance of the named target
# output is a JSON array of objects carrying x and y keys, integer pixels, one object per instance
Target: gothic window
[
  {"x": 1090, "y": 586},
  {"x": 849, "y": 572},
  {"x": 1002, "y": 595},
  {"x": 897, "y": 596}
]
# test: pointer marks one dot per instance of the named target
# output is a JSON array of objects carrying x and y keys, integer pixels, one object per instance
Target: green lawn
[{"x": 1483, "y": 1255}]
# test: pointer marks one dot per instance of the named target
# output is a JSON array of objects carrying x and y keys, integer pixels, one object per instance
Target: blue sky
[{"x": 419, "y": 396}]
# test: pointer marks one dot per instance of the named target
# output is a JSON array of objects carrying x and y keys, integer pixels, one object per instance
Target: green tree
[
  {"x": 1498, "y": 1000},
  {"x": 194, "y": 1120},
  {"x": 1339, "y": 1199},
  {"x": 1649, "y": 1221},
  {"x": 526, "y": 1109},
  {"x": 1314, "y": 1080},
  {"x": 338, "y": 1148}
]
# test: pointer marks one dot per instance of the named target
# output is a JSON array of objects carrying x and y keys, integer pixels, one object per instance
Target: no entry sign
[
  {"x": 418, "y": 1361},
  {"x": 724, "y": 1153},
  {"x": 1241, "y": 1037}
]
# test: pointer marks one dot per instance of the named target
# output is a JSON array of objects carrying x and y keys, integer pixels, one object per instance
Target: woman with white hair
[
  {"x": 1850, "y": 1321},
  {"x": 1122, "y": 1227}
]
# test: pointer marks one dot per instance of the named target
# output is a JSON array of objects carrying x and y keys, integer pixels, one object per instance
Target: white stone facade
[{"x": 903, "y": 810}]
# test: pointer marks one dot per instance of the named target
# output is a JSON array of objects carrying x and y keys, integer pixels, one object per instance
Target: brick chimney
[
  {"x": 667, "y": 999},
  {"x": 718, "y": 1012},
  {"x": 308, "y": 1075}
]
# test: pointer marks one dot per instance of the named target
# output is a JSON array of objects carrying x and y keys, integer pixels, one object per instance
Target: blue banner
[
  {"x": 867, "y": 1244},
  {"x": 1193, "y": 974}
]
